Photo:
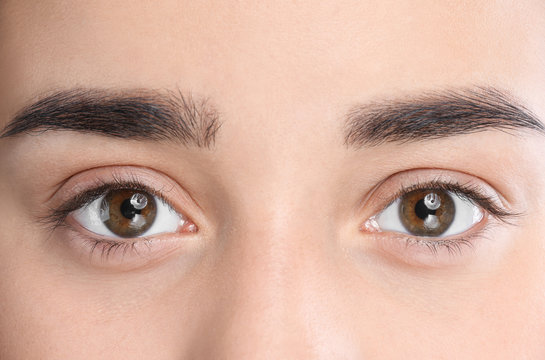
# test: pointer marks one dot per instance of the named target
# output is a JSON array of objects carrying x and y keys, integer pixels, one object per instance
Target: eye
[
  {"x": 128, "y": 213},
  {"x": 429, "y": 213}
]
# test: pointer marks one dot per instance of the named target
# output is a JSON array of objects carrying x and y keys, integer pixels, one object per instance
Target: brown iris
[
  {"x": 128, "y": 213},
  {"x": 426, "y": 212}
]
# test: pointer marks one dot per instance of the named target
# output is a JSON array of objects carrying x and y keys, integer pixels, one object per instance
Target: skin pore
[{"x": 282, "y": 251}]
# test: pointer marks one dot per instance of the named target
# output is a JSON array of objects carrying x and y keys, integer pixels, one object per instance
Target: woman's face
[{"x": 251, "y": 180}]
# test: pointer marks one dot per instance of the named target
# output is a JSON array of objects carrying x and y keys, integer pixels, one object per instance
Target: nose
[
  {"x": 257, "y": 314},
  {"x": 271, "y": 286}
]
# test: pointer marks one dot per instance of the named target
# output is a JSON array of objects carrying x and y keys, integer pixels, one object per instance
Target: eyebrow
[
  {"x": 436, "y": 115},
  {"x": 138, "y": 114}
]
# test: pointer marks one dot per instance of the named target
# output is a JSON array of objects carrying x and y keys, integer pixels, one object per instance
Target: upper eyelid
[
  {"x": 93, "y": 194},
  {"x": 96, "y": 192},
  {"x": 468, "y": 192},
  {"x": 99, "y": 187},
  {"x": 177, "y": 192},
  {"x": 390, "y": 188}
]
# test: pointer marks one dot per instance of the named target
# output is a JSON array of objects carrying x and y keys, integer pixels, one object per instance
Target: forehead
[{"x": 295, "y": 50}]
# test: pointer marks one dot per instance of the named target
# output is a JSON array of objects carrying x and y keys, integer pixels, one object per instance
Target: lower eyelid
[
  {"x": 430, "y": 252},
  {"x": 124, "y": 254},
  {"x": 93, "y": 251}
]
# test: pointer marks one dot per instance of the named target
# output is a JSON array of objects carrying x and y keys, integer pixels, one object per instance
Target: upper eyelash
[
  {"x": 470, "y": 192},
  {"x": 58, "y": 215}
]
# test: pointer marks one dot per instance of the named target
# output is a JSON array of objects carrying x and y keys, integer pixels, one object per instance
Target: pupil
[
  {"x": 128, "y": 210},
  {"x": 426, "y": 212},
  {"x": 422, "y": 210},
  {"x": 128, "y": 213}
]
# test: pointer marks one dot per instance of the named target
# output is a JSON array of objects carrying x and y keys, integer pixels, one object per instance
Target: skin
[{"x": 280, "y": 267}]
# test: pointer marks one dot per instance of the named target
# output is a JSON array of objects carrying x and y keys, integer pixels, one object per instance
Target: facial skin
[{"x": 281, "y": 264}]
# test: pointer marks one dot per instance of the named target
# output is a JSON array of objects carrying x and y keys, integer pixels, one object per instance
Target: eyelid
[
  {"x": 91, "y": 184},
  {"x": 87, "y": 197},
  {"x": 87, "y": 213},
  {"x": 470, "y": 187},
  {"x": 125, "y": 253},
  {"x": 469, "y": 192},
  {"x": 433, "y": 251}
]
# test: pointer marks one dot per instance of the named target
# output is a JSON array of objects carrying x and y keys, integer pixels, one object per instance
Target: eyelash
[
  {"x": 469, "y": 192},
  {"x": 472, "y": 193},
  {"x": 58, "y": 216}
]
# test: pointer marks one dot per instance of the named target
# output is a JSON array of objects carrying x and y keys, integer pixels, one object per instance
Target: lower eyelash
[
  {"x": 106, "y": 247},
  {"x": 453, "y": 246},
  {"x": 123, "y": 253}
]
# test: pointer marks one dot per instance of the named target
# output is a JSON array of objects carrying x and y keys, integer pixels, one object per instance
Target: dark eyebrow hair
[
  {"x": 435, "y": 115},
  {"x": 138, "y": 114}
]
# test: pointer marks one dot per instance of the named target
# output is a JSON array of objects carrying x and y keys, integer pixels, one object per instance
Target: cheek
[
  {"x": 516, "y": 292},
  {"x": 35, "y": 317},
  {"x": 58, "y": 315}
]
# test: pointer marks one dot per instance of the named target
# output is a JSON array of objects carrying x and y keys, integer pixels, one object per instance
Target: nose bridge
[
  {"x": 272, "y": 255},
  {"x": 275, "y": 239},
  {"x": 260, "y": 281}
]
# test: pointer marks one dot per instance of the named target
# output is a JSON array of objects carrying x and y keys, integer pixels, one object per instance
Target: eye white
[
  {"x": 466, "y": 214},
  {"x": 91, "y": 217}
]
